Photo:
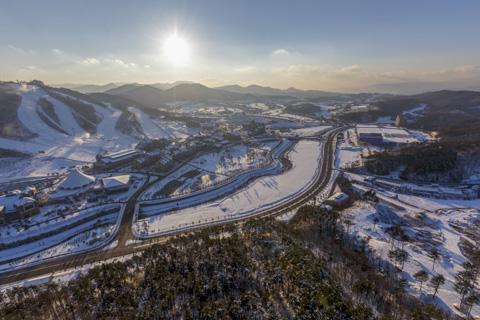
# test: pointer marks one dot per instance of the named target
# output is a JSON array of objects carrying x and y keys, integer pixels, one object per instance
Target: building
[
  {"x": 116, "y": 183},
  {"x": 385, "y": 135},
  {"x": 370, "y": 135},
  {"x": 75, "y": 184},
  {"x": 119, "y": 157},
  {"x": 76, "y": 180},
  {"x": 16, "y": 206},
  {"x": 337, "y": 200}
]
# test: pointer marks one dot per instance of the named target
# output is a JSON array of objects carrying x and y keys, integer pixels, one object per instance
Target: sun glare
[{"x": 176, "y": 50}]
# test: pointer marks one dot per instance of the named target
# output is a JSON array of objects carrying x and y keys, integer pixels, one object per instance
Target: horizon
[{"x": 344, "y": 46}]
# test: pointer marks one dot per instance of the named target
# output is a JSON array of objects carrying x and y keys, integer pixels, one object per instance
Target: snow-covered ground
[
  {"x": 81, "y": 242},
  {"x": 225, "y": 187},
  {"x": 55, "y": 239},
  {"x": 348, "y": 152},
  {"x": 262, "y": 194},
  {"x": 39, "y": 224},
  {"x": 158, "y": 128},
  {"x": 306, "y": 132},
  {"x": 63, "y": 276},
  {"x": 213, "y": 168},
  {"x": 425, "y": 231}
]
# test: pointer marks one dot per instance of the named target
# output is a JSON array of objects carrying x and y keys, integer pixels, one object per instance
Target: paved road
[{"x": 124, "y": 233}]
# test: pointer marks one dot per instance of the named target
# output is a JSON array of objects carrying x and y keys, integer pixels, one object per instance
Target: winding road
[{"x": 124, "y": 247}]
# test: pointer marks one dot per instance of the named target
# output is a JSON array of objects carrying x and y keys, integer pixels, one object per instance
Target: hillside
[
  {"x": 10, "y": 126},
  {"x": 269, "y": 91},
  {"x": 454, "y": 114},
  {"x": 307, "y": 269},
  {"x": 64, "y": 123},
  {"x": 151, "y": 96}
]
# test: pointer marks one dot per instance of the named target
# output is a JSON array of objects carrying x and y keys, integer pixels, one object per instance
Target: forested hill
[
  {"x": 265, "y": 269},
  {"x": 454, "y": 114}
]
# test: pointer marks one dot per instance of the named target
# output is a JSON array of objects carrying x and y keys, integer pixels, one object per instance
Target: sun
[{"x": 176, "y": 50}]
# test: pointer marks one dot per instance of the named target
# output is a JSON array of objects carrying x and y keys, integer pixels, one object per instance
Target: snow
[
  {"x": 224, "y": 187},
  {"x": 80, "y": 242},
  {"x": 347, "y": 152},
  {"x": 308, "y": 131},
  {"x": 427, "y": 230},
  {"x": 216, "y": 167},
  {"x": 38, "y": 166},
  {"x": 59, "y": 150},
  {"x": 262, "y": 194},
  {"x": 432, "y": 204},
  {"x": 44, "y": 243},
  {"x": 64, "y": 276},
  {"x": 45, "y": 223}
]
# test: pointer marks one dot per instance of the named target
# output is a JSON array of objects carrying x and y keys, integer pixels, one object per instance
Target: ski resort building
[
  {"x": 384, "y": 135},
  {"x": 119, "y": 157},
  {"x": 16, "y": 206},
  {"x": 75, "y": 184},
  {"x": 116, "y": 183},
  {"x": 76, "y": 180}
]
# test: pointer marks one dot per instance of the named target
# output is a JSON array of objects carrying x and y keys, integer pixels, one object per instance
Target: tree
[
  {"x": 435, "y": 255},
  {"x": 471, "y": 300},
  {"x": 402, "y": 257},
  {"x": 399, "y": 256},
  {"x": 464, "y": 283},
  {"x": 436, "y": 282},
  {"x": 421, "y": 276}
]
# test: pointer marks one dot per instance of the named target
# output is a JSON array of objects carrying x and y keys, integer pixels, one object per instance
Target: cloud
[
  {"x": 121, "y": 63},
  {"x": 90, "y": 61},
  {"x": 21, "y": 51},
  {"x": 57, "y": 52},
  {"x": 354, "y": 68},
  {"x": 280, "y": 53},
  {"x": 244, "y": 69}
]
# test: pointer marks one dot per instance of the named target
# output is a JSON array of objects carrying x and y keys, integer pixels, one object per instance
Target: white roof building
[
  {"x": 76, "y": 180},
  {"x": 119, "y": 156},
  {"x": 116, "y": 182},
  {"x": 11, "y": 202}
]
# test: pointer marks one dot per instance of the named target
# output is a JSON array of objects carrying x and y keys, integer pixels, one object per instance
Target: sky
[{"x": 328, "y": 45}]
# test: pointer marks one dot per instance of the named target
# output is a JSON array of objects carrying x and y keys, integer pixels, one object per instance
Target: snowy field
[
  {"x": 441, "y": 229},
  {"x": 81, "y": 242},
  {"x": 262, "y": 194},
  {"x": 306, "y": 132},
  {"x": 48, "y": 222},
  {"x": 227, "y": 186},
  {"x": 348, "y": 153},
  {"x": 213, "y": 168}
]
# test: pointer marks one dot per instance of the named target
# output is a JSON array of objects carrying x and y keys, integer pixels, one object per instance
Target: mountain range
[{"x": 197, "y": 91}]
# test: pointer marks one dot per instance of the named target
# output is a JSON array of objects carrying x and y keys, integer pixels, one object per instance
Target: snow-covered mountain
[{"x": 61, "y": 124}]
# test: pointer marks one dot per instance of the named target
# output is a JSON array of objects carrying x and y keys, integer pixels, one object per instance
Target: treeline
[
  {"x": 419, "y": 159},
  {"x": 264, "y": 269}
]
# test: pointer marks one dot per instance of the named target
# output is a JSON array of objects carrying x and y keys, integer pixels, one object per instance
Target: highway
[{"x": 124, "y": 232}]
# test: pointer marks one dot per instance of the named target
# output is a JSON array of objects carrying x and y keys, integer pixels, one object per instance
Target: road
[{"x": 124, "y": 232}]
